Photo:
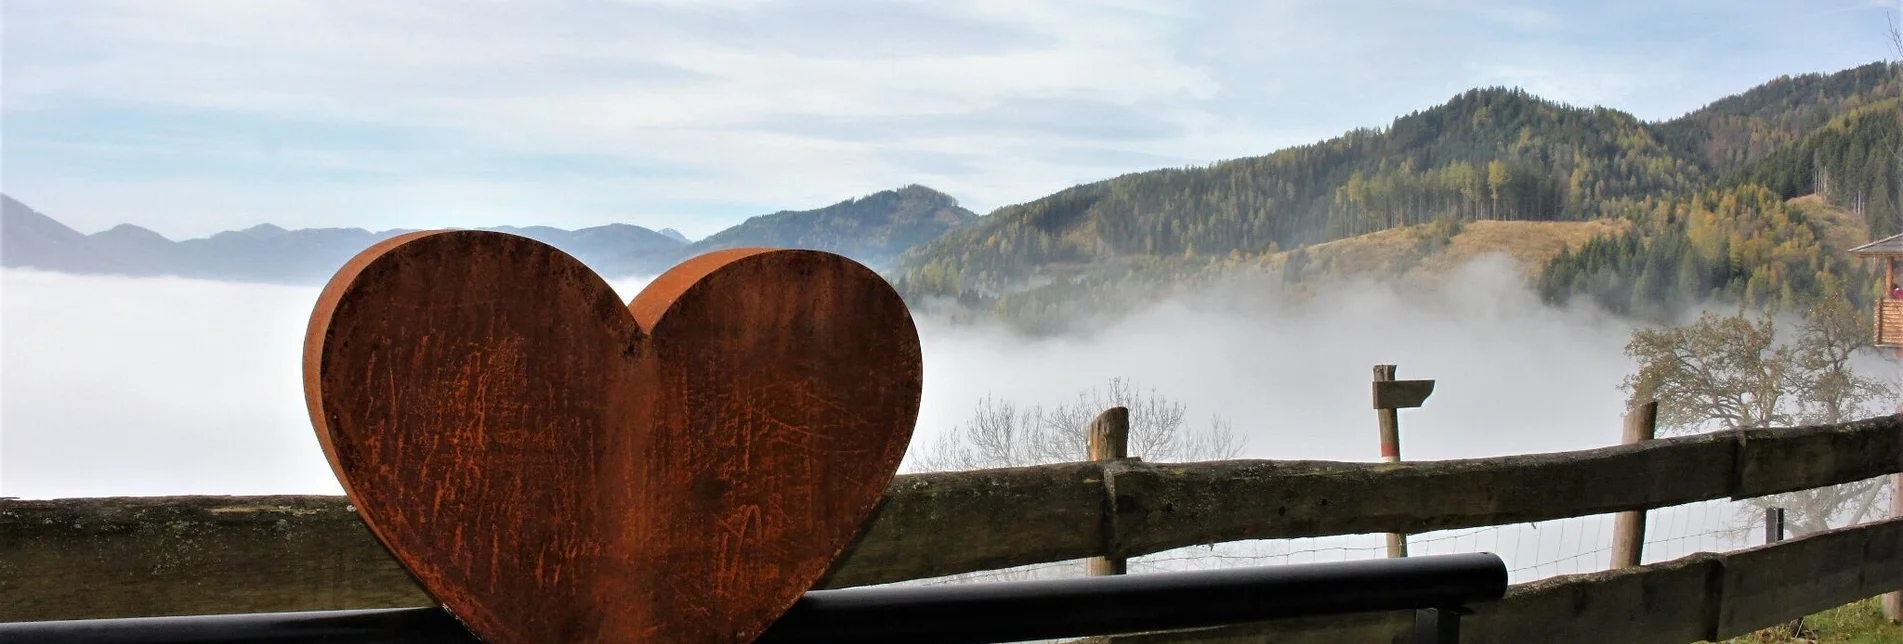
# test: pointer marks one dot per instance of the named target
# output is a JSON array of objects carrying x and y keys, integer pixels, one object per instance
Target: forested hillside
[
  {"x": 1705, "y": 194},
  {"x": 1852, "y": 161},
  {"x": 875, "y": 228},
  {"x": 1741, "y": 244},
  {"x": 1773, "y": 232},
  {"x": 1736, "y": 130}
]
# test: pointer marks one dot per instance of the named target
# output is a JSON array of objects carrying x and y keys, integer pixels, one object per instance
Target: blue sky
[{"x": 190, "y": 117}]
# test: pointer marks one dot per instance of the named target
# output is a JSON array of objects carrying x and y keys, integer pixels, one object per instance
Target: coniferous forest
[{"x": 1751, "y": 199}]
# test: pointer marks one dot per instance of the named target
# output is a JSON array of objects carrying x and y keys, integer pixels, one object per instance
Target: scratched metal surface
[{"x": 554, "y": 466}]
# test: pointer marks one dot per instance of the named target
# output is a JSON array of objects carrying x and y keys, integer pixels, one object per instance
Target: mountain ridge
[
  {"x": 872, "y": 229},
  {"x": 1709, "y": 193},
  {"x": 1487, "y": 154}
]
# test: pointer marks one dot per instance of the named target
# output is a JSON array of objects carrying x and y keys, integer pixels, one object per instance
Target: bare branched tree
[
  {"x": 1734, "y": 371},
  {"x": 1001, "y": 433}
]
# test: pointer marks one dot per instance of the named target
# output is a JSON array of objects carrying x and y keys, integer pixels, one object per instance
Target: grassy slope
[
  {"x": 1841, "y": 228},
  {"x": 1858, "y": 623},
  {"x": 1412, "y": 254}
]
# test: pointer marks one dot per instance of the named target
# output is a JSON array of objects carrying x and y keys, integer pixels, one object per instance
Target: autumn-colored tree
[
  {"x": 1497, "y": 184},
  {"x": 1736, "y": 371},
  {"x": 1741, "y": 245}
]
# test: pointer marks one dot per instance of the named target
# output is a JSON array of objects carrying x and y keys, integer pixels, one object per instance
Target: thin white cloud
[{"x": 772, "y": 102}]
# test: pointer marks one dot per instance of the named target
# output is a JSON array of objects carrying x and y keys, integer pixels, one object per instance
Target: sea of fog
[{"x": 161, "y": 386}]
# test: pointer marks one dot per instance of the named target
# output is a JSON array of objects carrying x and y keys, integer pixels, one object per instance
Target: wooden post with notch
[
  {"x": 1391, "y": 396},
  {"x": 1628, "y": 528},
  {"x": 1888, "y": 318},
  {"x": 1109, "y": 441},
  {"x": 1893, "y": 601}
]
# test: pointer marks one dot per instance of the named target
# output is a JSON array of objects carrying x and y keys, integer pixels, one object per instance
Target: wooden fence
[{"x": 122, "y": 557}]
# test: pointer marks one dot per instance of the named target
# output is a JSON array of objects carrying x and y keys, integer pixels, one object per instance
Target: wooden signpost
[{"x": 1390, "y": 396}]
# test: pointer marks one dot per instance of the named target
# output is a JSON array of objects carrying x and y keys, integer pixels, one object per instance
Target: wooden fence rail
[
  {"x": 94, "y": 558},
  {"x": 1703, "y": 597}
]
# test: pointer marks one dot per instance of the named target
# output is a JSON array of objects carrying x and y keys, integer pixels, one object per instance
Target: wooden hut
[{"x": 1889, "y": 308}]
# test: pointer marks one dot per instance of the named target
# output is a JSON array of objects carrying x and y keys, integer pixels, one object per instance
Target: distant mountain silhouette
[
  {"x": 28, "y": 238},
  {"x": 873, "y": 229}
]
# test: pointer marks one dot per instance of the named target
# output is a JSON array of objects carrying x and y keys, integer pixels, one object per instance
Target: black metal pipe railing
[
  {"x": 1439, "y": 587},
  {"x": 1032, "y": 610}
]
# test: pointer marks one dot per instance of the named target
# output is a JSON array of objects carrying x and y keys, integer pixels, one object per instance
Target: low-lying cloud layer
[
  {"x": 116, "y": 386},
  {"x": 1513, "y": 374}
]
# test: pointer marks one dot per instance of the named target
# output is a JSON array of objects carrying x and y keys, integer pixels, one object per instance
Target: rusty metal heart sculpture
[{"x": 554, "y": 466}]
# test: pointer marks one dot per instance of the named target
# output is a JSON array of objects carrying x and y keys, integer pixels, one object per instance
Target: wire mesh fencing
[{"x": 1532, "y": 551}]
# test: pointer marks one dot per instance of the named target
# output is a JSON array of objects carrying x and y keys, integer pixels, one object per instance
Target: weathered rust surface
[{"x": 554, "y": 466}]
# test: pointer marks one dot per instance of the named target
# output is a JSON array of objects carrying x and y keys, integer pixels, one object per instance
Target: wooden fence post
[
  {"x": 1628, "y": 528},
  {"x": 1773, "y": 533},
  {"x": 1391, "y": 396},
  {"x": 1109, "y": 441},
  {"x": 1390, "y": 450},
  {"x": 1893, "y": 601}
]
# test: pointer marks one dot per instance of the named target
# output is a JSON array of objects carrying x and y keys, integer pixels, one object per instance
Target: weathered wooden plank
[
  {"x": 1401, "y": 394},
  {"x": 1666, "y": 603},
  {"x": 1160, "y": 507},
  {"x": 1772, "y": 461},
  {"x": 81, "y": 558},
  {"x": 1774, "y": 584},
  {"x": 948, "y": 523},
  {"x": 139, "y": 557},
  {"x": 1702, "y": 597},
  {"x": 136, "y": 557}
]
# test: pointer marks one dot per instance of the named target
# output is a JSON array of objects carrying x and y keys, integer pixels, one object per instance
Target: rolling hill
[
  {"x": 874, "y": 229},
  {"x": 1704, "y": 200}
]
